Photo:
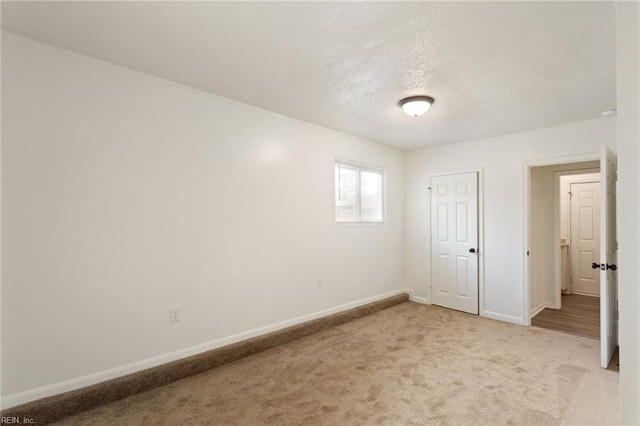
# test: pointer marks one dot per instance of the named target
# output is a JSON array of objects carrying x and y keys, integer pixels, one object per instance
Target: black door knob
[
  {"x": 472, "y": 250},
  {"x": 595, "y": 266}
]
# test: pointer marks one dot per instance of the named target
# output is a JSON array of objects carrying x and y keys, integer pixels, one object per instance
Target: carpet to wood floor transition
[{"x": 409, "y": 364}]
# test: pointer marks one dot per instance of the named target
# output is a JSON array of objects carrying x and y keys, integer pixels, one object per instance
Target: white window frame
[{"x": 383, "y": 191}]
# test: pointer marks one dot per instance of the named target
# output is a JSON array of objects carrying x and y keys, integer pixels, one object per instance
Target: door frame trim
[
  {"x": 526, "y": 202},
  {"x": 479, "y": 171}
]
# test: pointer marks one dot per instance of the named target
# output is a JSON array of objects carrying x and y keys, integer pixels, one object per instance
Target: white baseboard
[
  {"x": 502, "y": 317},
  {"x": 585, "y": 294},
  {"x": 535, "y": 311},
  {"x": 92, "y": 379},
  {"x": 418, "y": 299},
  {"x": 486, "y": 314}
]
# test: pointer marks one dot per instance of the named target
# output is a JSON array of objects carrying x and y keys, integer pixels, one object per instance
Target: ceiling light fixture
[
  {"x": 415, "y": 106},
  {"x": 608, "y": 112}
]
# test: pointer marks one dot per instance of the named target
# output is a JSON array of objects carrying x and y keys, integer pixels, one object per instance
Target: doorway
[
  {"x": 565, "y": 243},
  {"x": 549, "y": 230},
  {"x": 544, "y": 248}
]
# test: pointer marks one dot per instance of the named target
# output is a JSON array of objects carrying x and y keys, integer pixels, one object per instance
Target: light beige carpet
[{"x": 409, "y": 364}]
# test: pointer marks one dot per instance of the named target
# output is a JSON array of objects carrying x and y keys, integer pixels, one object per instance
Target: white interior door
[
  {"x": 585, "y": 237},
  {"x": 454, "y": 241},
  {"x": 608, "y": 257}
]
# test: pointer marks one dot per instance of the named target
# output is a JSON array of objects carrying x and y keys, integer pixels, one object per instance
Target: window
[{"x": 359, "y": 193}]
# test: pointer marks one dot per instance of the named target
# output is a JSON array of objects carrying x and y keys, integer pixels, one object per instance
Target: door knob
[
  {"x": 595, "y": 266},
  {"x": 472, "y": 250}
]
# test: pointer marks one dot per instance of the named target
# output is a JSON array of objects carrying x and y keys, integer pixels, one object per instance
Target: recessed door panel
[
  {"x": 462, "y": 276},
  {"x": 462, "y": 222},
  {"x": 442, "y": 265},
  {"x": 585, "y": 195},
  {"x": 442, "y": 217},
  {"x": 586, "y": 270},
  {"x": 462, "y": 188},
  {"x": 587, "y": 224}
]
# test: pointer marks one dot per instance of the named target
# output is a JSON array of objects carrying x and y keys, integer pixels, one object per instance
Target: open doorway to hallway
[
  {"x": 544, "y": 245},
  {"x": 565, "y": 243}
]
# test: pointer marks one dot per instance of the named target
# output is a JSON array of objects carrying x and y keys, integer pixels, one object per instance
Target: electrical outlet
[
  {"x": 319, "y": 282},
  {"x": 174, "y": 314}
]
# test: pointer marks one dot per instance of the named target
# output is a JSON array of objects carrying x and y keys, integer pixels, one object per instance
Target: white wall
[
  {"x": 542, "y": 238},
  {"x": 628, "y": 97},
  {"x": 502, "y": 160},
  {"x": 543, "y": 210},
  {"x": 124, "y": 195}
]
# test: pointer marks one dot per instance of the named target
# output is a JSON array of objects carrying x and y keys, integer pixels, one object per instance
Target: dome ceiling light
[{"x": 415, "y": 106}]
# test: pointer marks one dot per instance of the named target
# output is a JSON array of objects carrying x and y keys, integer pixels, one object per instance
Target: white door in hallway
[
  {"x": 454, "y": 241},
  {"x": 585, "y": 237}
]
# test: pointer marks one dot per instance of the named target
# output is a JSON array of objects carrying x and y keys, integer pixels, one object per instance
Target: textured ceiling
[{"x": 493, "y": 68}]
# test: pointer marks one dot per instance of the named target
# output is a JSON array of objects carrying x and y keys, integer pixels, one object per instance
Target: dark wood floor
[{"x": 579, "y": 315}]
